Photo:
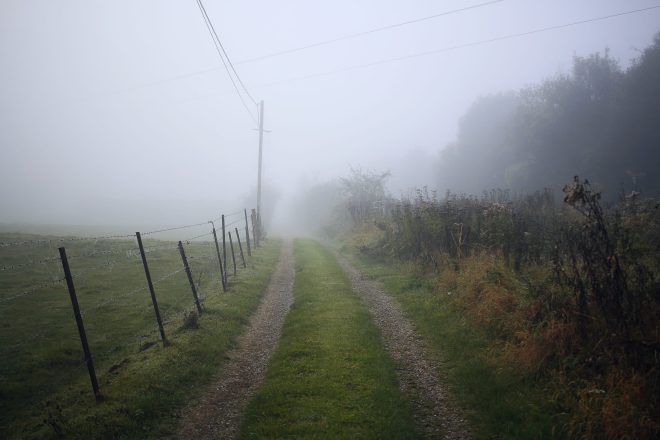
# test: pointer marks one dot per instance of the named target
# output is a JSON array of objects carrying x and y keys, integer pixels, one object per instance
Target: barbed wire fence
[{"x": 96, "y": 271}]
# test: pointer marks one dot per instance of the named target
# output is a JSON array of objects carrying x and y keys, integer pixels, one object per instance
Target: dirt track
[
  {"x": 434, "y": 415},
  {"x": 219, "y": 413}
]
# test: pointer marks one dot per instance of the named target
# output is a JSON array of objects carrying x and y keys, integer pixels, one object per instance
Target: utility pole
[{"x": 261, "y": 144}]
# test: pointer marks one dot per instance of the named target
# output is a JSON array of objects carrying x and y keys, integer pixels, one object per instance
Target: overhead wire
[
  {"x": 220, "y": 49},
  {"x": 390, "y": 60},
  {"x": 461, "y": 46},
  {"x": 238, "y": 77},
  {"x": 367, "y": 32},
  {"x": 308, "y": 46}
]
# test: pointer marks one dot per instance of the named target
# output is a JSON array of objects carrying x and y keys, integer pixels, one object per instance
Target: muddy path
[{"x": 220, "y": 408}]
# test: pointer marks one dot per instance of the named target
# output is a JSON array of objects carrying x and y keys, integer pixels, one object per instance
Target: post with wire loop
[
  {"x": 224, "y": 245},
  {"x": 151, "y": 290},
  {"x": 240, "y": 247},
  {"x": 233, "y": 255},
  {"x": 190, "y": 277},
  {"x": 79, "y": 322},
  {"x": 217, "y": 250},
  {"x": 247, "y": 233}
]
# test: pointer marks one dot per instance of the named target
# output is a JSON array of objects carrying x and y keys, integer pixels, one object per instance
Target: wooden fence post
[
  {"x": 247, "y": 233},
  {"x": 151, "y": 289},
  {"x": 240, "y": 247},
  {"x": 255, "y": 235},
  {"x": 217, "y": 250},
  {"x": 224, "y": 245},
  {"x": 79, "y": 322},
  {"x": 233, "y": 256},
  {"x": 190, "y": 278}
]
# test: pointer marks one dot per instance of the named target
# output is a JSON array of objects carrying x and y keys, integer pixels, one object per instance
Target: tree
[{"x": 365, "y": 193}]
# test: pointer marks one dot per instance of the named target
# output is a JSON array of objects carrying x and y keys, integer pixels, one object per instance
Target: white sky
[{"x": 94, "y": 130}]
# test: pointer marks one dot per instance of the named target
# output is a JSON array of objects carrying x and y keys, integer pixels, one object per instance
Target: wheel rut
[
  {"x": 434, "y": 415},
  {"x": 218, "y": 413}
]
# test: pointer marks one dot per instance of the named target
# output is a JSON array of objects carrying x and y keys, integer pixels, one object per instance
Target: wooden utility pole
[{"x": 261, "y": 144}]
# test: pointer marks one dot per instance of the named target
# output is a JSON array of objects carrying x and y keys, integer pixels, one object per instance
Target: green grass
[
  {"x": 500, "y": 402},
  {"x": 330, "y": 376},
  {"x": 44, "y": 387}
]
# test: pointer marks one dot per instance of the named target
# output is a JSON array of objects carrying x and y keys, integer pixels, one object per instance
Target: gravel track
[
  {"x": 220, "y": 409},
  {"x": 433, "y": 413}
]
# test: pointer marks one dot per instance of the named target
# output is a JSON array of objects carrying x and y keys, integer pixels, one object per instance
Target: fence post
[
  {"x": 190, "y": 278},
  {"x": 247, "y": 233},
  {"x": 224, "y": 245},
  {"x": 222, "y": 270},
  {"x": 233, "y": 256},
  {"x": 254, "y": 228},
  {"x": 79, "y": 322},
  {"x": 240, "y": 247},
  {"x": 151, "y": 289}
]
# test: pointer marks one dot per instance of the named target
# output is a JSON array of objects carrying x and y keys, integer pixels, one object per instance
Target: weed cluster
[{"x": 567, "y": 292}]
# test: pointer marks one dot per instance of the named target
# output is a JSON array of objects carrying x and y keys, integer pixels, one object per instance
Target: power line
[
  {"x": 367, "y": 32},
  {"x": 476, "y": 43},
  {"x": 462, "y": 46},
  {"x": 221, "y": 50},
  {"x": 225, "y": 52},
  {"x": 220, "y": 47}
]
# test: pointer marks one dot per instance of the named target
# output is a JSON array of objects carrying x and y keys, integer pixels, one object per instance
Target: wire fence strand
[
  {"x": 175, "y": 228},
  {"x": 33, "y": 289}
]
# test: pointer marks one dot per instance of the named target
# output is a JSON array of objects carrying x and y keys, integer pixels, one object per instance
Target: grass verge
[
  {"x": 144, "y": 384},
  {"x": 501, "y": 401},
  {"x": 330, "y": 376}
]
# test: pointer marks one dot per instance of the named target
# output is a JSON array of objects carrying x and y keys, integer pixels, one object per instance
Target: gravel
[
  {"x": 218, "y": 412},
  {"x": 434, "y": 415}
]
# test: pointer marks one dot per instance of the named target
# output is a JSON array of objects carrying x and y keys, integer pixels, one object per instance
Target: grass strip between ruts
[{"x": 330, "y": 376}]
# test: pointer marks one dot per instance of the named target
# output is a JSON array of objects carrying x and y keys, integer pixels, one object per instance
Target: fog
[{"x": 121, "y": 113}]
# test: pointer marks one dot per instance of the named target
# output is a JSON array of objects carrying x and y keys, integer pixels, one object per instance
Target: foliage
[
  {"x": 365, "y": 194},
  {"x": 569, "y": 293},
  {"x": 599, "y": 120}
]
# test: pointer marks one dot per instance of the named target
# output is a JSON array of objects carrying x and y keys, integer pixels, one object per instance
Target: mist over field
[
  {"x": 121, "y": 113},
  {"x": 293, "y": 219}
]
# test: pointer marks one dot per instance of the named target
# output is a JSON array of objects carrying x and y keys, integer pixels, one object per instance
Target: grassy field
[
  {"x": 44, "y": 387},
  {"x": 501, "y": 402},
  {"x": 330, "y": 376}
]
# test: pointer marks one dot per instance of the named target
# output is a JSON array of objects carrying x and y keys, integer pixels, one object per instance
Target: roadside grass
[
  {"x": 330, "y": 376},
  {"x": 44, "y": 387},
  {"x": 501, "y": 401}
]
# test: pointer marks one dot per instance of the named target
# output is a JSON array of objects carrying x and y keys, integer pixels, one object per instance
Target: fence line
[
  {"x": 12, "y": 267},
  {"x": 175, "y": 228},
  {"x": 187, "y": 240},
  {"x": 113, "y": 299},
  {"x": 62, "y": 240},
  {"x": 90, "y": 262}
]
